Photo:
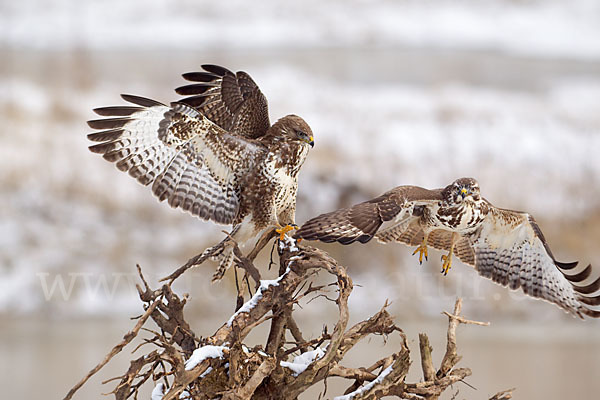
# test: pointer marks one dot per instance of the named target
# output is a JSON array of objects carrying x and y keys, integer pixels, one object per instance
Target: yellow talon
[
  {"x": 447, "y": 263},
  {"x": 285, "y": 229},
  {"x": 447, "y": 259},
  {"x": 422, "y": 249}
]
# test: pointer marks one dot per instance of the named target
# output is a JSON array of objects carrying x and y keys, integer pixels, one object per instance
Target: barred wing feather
[
  {"x": 511, "y": 250},
  {"x": 231, "y": 100},
  {"x": 191, "y": 163}
]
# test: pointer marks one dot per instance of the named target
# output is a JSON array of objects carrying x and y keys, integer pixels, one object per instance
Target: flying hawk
[
  {"x": 505, "y": 246},
  {"x": 213, "y": 154}
]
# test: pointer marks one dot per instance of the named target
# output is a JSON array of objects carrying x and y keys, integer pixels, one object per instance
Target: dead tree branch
[
  {"x": 129, "y": 336},
  {"x": 504, "y": 395},
  {"x": 222, "y": 366}
]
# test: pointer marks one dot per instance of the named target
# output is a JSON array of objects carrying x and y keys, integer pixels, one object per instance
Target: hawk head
[
  {"x": 295, "y": 128},
  {"x": 463, "y": 189}
]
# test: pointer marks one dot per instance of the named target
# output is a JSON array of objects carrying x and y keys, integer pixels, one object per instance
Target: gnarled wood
[{"x": 235, "y": 372}]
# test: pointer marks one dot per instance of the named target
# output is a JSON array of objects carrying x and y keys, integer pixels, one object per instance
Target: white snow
[
  {"x": 302, "y": 361},
  {"x": 185, "y": 395},
  {"x": 158, "y": 391},
  {"x": 368, "y": 386},
  {"x": 288, "y": 243},
  {"x": 202, "y": 353},
  {"x": 208, "y": 371},
  {"x": 250, "y": 304}
]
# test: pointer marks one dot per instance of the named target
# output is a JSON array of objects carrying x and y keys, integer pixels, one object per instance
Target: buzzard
[
  {"x": 505, "y": 246},
  {"x": 213, "y": 153}
]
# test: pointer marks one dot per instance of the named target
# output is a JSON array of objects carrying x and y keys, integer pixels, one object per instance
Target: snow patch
[
  {"x": 158, "y": 391},
  {"x": 302, "y": 361},
  {"x": 250, "y": 304},
  {"x": 208, "y": 371},
  {"x": 288, "y": 243},
  {"x": 368, "y": 386},
  {"x": 185, "y": 395},
  {"x": 202, "y": 353}
]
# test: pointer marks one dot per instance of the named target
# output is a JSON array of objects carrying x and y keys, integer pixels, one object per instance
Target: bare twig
[
  {"x": 360, "y": 374},
  {"x": 426, "y": 362},
  {"x": 245, "y": 392},
  {"x": 503, "y": 395},
  {"x": 262, "y": 242},
  {"x": 451, "y": 358},
  {"x": 129, "y": 336},
  {"x": 238, "y": 373}
]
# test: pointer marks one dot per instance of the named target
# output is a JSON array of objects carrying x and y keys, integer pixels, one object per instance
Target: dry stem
[{"x": 257, "y": 373}]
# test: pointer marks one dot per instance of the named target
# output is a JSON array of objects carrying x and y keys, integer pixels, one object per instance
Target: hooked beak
[
  {"x": 311, "y": 141},
  {"x": 463, "y": 193}
]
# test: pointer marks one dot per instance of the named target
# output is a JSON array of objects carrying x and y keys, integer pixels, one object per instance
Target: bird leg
[
  {"x": 447, "y": 259},
  {"x": 422, "y": 249},
  {"x": 285, "y": 229}
]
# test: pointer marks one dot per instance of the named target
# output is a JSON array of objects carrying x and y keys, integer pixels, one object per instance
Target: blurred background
[{"x": 397, "y": 92}]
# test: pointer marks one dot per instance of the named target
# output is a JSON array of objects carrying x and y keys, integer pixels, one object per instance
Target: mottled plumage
[
  {"x": 505, "y": 246},
  {"x": 213, "y": 154}
]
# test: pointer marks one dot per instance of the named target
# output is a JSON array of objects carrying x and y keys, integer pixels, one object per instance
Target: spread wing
[
  {"x": 362, "y": 222},
  {"x": 233, "y": 101},
  {"x": 189, "y": 161},
  {"x": 510, "y": 249}
]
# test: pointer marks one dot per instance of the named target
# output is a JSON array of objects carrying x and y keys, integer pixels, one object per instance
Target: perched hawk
[
  {"x": 503, "y": 245},
  {"x": 213, "y": 154}
]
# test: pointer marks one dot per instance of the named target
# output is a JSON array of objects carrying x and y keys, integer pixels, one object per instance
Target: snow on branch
[{"x": 179, "y": 364}]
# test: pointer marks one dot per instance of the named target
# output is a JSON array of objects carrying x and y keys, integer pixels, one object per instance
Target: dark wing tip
[
  {"x": 590, "y": 313},
  {"x": 200, "y": 76},
  {"x": 101, "y": 148},
  {"x": 195, "y": 101},
  {"x": 140, "y": 101},
  {"x": 216, "y": 69},
  {"x": 195, "y": 89},
  {"x": 105, "y": 136},
  {"x": 590, "y": 301},
  {"x": 108, "y": 123},
  {"x": 346, "y": 240},
  {"x": 364, "y": 238},
  {"x": 116, "y": 111},
  {"x": 580, "y": 276},
  {"x": 588, "y": 289},
  {"x": 566, "y": 266}
]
